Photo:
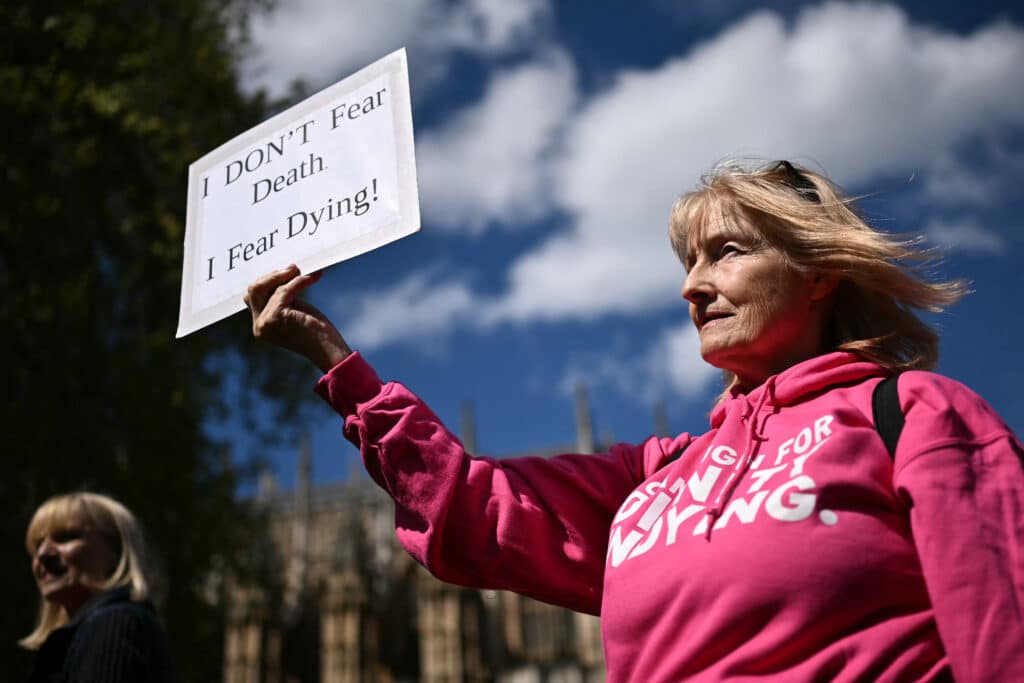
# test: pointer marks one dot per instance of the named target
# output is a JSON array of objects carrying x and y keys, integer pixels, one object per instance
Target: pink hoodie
[{"x": 784, "y": 543}]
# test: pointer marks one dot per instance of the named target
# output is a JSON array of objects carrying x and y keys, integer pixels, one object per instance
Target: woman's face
[
  {"x": 754, "y": 313},
  {"x": 67, "y": 560}
]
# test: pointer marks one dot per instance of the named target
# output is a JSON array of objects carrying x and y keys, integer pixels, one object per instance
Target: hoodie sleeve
[
  {"x": 536, "y": 526},
  {"x": 960, "y": 470}
]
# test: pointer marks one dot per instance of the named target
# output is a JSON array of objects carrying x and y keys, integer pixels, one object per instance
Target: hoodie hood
[
  {"x": 801, "y": 382},
  {"x": 742, "y": 417}
]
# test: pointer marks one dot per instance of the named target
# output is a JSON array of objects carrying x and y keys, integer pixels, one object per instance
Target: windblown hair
[
  {"x": 113, "y": 521},
  {"x": 881, "y": 277}
]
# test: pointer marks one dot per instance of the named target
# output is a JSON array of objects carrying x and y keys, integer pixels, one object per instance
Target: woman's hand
[{"x": 283, "y": 319}]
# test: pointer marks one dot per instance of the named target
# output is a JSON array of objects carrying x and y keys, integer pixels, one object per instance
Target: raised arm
[{"x": 537, "y": 526}]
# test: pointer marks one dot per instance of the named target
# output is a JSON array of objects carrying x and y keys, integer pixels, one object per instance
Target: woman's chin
[
  {"x": 70, "y": 596},
  {"x": 722, "y": 357},
  {"x": 53, "y": 587}
]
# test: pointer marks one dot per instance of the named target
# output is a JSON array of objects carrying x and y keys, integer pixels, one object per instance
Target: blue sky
[{"x": 553, "y": 137}]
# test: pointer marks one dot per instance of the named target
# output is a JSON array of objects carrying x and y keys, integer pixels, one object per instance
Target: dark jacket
[{"x": 111, "y": 639}]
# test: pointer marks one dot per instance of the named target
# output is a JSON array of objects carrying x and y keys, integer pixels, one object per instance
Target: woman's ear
[{"x": 822, "y": 285}]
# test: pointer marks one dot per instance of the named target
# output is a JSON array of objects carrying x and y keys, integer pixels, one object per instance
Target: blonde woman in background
[{"x": 96, "y": 622}]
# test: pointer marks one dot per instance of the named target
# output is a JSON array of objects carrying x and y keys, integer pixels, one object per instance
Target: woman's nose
[
  {"x": 47, "y": 547},
  {"x": 697, "y": 287}
]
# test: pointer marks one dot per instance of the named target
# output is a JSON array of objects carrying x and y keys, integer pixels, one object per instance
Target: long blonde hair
[
  {"x": 110, "y": 519},
  {"x": 881, "y": 277}
]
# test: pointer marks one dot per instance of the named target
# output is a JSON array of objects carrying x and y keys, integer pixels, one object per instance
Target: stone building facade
[{"x": 347, "y": 605}]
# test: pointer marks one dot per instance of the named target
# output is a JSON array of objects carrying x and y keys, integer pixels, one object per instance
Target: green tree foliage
[{"x": 104, "y": 103}]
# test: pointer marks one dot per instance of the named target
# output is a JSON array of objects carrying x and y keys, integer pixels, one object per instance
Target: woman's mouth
[
  {"x": 50, "y": 571},
  {"x": 710, "y": 319}
]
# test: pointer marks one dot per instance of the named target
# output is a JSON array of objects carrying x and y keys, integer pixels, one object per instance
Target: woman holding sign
[{"x": 785, "y": 542}]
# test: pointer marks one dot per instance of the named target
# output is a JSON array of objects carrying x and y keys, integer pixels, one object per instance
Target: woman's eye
[
  {"x": 66, "y": 535},
  {"x": 729, "y": 248}
]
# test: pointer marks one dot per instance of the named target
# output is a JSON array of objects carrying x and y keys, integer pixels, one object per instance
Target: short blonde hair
[
  {"x": 881, "y": 277},
  {"x": 116, "y": 524}
]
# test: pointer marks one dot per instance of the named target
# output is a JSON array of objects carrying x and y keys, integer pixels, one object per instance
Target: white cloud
[
  {"x": 415, "y": 309},
  {"x": 965, "y": 235},
  {"x": 953, "y": 184},
  {"x": 489, "y": 26},
  {"x": 671, "y": 366},
  {"x": 488, "y": 163},
  {"x": 995, "y": 173},
  {"x": 677, "y": 356},
  {"x": 856, "y": 89},
  {"x": 320, "y": 41}
]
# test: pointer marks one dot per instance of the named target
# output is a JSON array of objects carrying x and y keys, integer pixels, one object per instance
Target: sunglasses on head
[{"x": 797, "y": 180}]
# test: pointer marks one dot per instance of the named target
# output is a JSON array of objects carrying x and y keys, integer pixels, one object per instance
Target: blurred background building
[{"x": 344, "y": 603}]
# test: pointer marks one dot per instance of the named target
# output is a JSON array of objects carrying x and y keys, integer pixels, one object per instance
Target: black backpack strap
[
  {"x": 885, "y": 404},
  {"x": 671, "y": 459}
]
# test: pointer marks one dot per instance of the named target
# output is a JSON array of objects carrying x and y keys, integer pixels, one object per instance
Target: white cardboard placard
[{"x": 325, "y": 180}]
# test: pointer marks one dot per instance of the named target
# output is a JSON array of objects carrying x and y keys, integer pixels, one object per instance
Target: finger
[
  {"x": 262, "y": 289},
  {"x": 287, "y": 292},
  {"x": 302, "y": 318},
  {"x": 309, "y": 309}
]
